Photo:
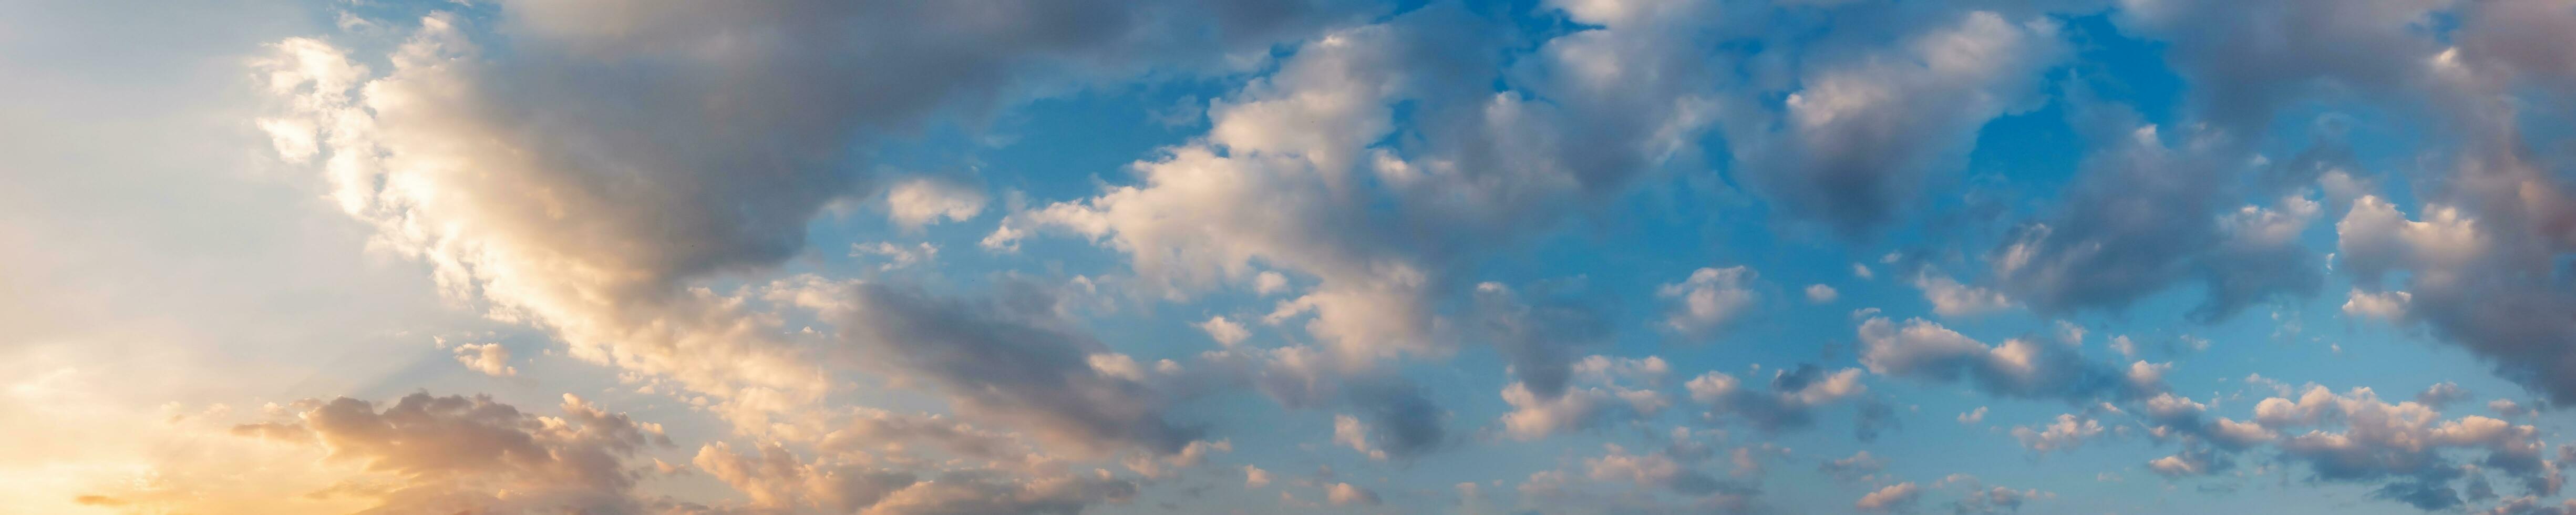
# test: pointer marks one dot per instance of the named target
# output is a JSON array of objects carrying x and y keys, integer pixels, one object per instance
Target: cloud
[
  {"x": 1616, "y": 389},
  {"x": 1344, "y": 494},
  {"x": 1790, "y": 403},
  {"x": 1949, "y": 298},
  {"x": 1821, "y": 294},
  {"x": 489, "y": 358},
  {"x": 1860, "y": 466},
  {"x": 1307, "y": 171},
  {"x": 1896, "y": 497},
  {"x": 1708, "y": 300},
  {"x": 922, "y": 201},
  {"x": 775, "y": 478},
  {"x": 588, "y": 175},
  {"x": 1402, "y": 422},
  {"x": 2147, "y": 214},
  {"x": 1538, "y": 338},
  {"x": 1226, "y": 332},
  {"x": 2019, "y": 368},
  {"x": 2068, "y": 432},
  {"x": 2386, "y": 306},
  {"x": 1011, "y": 358},
  {"x": 897, "y": 257},
  {"x": 453, "y": 452},
  {"x": 1640, "y": 477},
  {"x": 1254, "y": 477},
  {"x": 1863, "y": 133}
]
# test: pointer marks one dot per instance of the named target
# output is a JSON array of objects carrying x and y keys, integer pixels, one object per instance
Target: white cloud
[
  {"x": 489, "y": 358},
  {"x": 1226, "y": 332},
  {"x": 922, "y": 201},
  {"x": 1949, "y": 298},
  {"x": 1708, "y": 300},
  {"x": 2387, "y": 306},
  {"x": 2068, "y": 432},
  {"x": 1894, "y": 497},
  {"x": 1821, "y": 294}
]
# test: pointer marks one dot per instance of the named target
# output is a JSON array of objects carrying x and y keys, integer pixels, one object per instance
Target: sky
[{"x": 1293, "y": 256}]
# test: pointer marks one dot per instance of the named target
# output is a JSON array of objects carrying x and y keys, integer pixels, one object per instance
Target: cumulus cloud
[
  {"x": 2148, "y": 214},
  {"x": 1821, "y": 294},
  {"x": 1950, "y": 298},
  {"x": 453, "y": 453},
  {"x": 2068, "y": 432},
  {"x": 1636, "y": 479},
  {"x": 1862, "y": 134},
  {"x": 1896, "y": 497},
  {"x": 897, "y": 256},
  {"x": 1789, "y": 403},
  {"x": 489, "y": 358},
  {"x": 1012, "y": 358},
  {"x": 2021, "y": 368},
  {"x": 1614, "y": 389},
  {"x": 586, "y": 178},
  {"x": 1292, "y": 173},
  {"x": 1860, "y": 466},
  {"x": 922, "y": 201},
  {"x": 775, "y": 478},
  {"x": 1708, "y": 300},
  {"x": 1345, "y": 494},
  {"x": 1226, "y": 332}
]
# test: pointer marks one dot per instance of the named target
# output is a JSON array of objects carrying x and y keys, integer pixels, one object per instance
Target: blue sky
[{"x": 1582, "y": 256}]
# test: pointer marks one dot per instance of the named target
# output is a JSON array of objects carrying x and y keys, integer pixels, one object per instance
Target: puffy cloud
[
  {"x": 1011, "y": 358},
  {"x": 1862, "y": 133},
  {"x": 586, "y": 177},
  {"x": 2388, "y": 306},
  {"x": 1538, "y": 338},
  {"x": 1999, "y": 500},
  {"x": 2067, "y": 433},
  {"x": 885, "y": 432},
  {"x": 489, "y": 358},
  {"x": 1398, "y": 421},
  {"x": 1345, "y": 494},
  {"x": 1896, "y": 497},
  {"x": 1637, "y": 479},
  {"x": 1949, "y": 298},
  {"x": 2148, "y": 214},
  {"x": 1608, "y": 396},
  {"x": 2401, "y": 447},
  {"x": 455, "y": 452},
  {"x": 1299, "y": 171},
  {"x": 1789, "y": 403},
  {"x": 2441, "y": 394},
  {"x": 1821, "y": 294},
  {"x": 1226, "y": 332},
  {"x": 777, "y": 479},
  {"x": 2018, "y": 368},
  {"x": 1859, "y": 466},
  {"x": 2460, "y": 283},
  {"x": 2246, "y": 64},
  {"x": 922, "y": 201},
  {"x": 1254, "y": 477},
  {"x": 1708, "y": 300},
  {"x": 897, "y": 256},
  {"x": 1973, "y": 416}
]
